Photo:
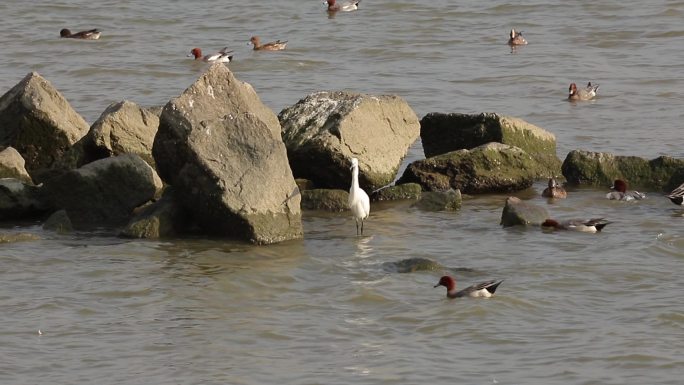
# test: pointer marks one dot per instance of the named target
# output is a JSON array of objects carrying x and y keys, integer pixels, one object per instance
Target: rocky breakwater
[
  {"x": 221, "y": 149},
  {"x": 482, "y": 153},
  {"x": 326, "y": 129}
]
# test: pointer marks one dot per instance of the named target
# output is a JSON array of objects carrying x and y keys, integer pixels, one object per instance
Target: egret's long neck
[{"x": 355, "y": 177}]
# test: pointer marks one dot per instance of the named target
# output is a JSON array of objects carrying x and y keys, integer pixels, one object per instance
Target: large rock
[
  {"x": 123, "y": 128},
  {"x": 38, "y": 121},
  {"x": 325, "y": 129},
  {"x": 325, "y": 200},
  {"x": 601, "y": 169},
  {"x": 106, "y": 191},
  {"x": 519, "y": 212},
  {"x": 493, "y": 167},
  {"x": 12, "y": 165},
  {"x": 221, "y": 149},
  {"x": 442, "y": 133},
  {"x": 19, "y": 200}
]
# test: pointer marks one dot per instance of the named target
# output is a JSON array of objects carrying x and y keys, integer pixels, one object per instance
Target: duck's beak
[
  {"x": 437, "y": 285},
  {"x": 189, "y": 55}
]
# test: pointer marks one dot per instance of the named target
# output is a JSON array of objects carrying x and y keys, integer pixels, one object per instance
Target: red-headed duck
[
  {"x": 272, "y": 46},
  {"x": 586, "y": 226},
  {"x": 358, "y": 199},
  {"x": 484, "y": 289},
  {"x": 347, "y": 6},
  {"x": 677, "y": 195},
  {"x": 555, "y": 190},
  {"x": 222, "y": 56},
  {"x": 92, "y": 34},
  {"x": 586, "y": 93},
  {"x": 516, "y": 38},
  {"x": 620, "y": 192}
]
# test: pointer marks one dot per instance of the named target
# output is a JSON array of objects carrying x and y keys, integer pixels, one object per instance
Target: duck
[
  {"x": 346, "y": 6},
  {"x": 555, "y": 190},
  {"x": 677, "y": 195},
  {"x": 620, "y": 192},
  {"x": 593, "y": 225},
  {"x": 586, "y": 93},
  {"x": 222, "y": 56},
  {"x": 516, "y": 38},
  {"x": 359, "y": 203},
  {"x": 91, "y": 34},
  {"x": 479, "y": 290},
  {"x": 277, "y": 45}
]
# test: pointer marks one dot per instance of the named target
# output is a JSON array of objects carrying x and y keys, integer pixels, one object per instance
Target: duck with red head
[
  {"x": 91, "y": 34},
  {"x": 586, "y": 93},
  {"x": 483, "y": 289},
  {"x": 347, "y": 6},
  {"x": 222, "y": 56},
  {"x": 620, "y": 192},
  {"x": 593, "y": 225}
]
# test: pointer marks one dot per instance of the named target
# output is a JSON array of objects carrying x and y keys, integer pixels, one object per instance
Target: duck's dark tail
[{"x": 493, "y": 287}]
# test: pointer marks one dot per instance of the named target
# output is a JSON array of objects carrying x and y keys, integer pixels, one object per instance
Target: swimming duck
[
  {"x": 483, "y": 289},
  {"x": 586, "y": 93},
  {"x": 677, "y": 195},
  {"x": 555, "y": 190},
  {"x": 272, "y": 46},
  {"x": 92, "y": 34},
  {"x": 620, "y": 192},
  {"x": 222, "y": 56},
  {"x": 358, "y": 199},
  {"x": 346, "y": 6},
  {"x": 516, "y": 38},
  {"x": 593, "y": 225}
]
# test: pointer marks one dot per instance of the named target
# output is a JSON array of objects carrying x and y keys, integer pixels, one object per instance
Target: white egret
[{"x": 359, "y": 203}]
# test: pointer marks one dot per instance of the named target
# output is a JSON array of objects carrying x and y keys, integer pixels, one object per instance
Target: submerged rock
[
  {"x": 410, "y": 191},
  {"x": 106, "y": 191},
  {"x": 493, "y": 167},
  {"x": 412, "y": 265},
  {"x": 325, "y": 200},
  {"x": 59, "y": 222},
  {"x": 18, "y": 237},
  {"x": 442, "y": 133},
  {"x": 519, "y": 212},
  {"x": 12, "y": 165},
  {"x": 449, "y": 200},
  {"x": 38, "y": 121},
  {"x": 601, "y": 169},
  {"x": 325, "y": 129},
  {"x": 220, "y": 148}
]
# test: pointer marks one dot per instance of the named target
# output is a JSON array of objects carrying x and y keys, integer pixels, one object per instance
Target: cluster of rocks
[{"x": 217, "y": 161}]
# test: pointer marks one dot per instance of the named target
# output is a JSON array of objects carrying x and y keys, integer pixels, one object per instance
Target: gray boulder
[
  {"x": 221, "y": 149},
  {"x": 123, "y": 128},
  {"x": 106, "y": 191},
  {"x": 325, "y": 129},
  {"x": 519, "y": 212},
  {"x": 37, "y": 120},
  {"x": 12, "y": 165},
  {"x": 449, "y": 200},
  {"x": 19, "y": 200},
  {"x": 601, "y": 169},
  {"x": 325, "y": 200},
  {"x": 493, "y": 167},
  {"x": 442, "y": 133}
]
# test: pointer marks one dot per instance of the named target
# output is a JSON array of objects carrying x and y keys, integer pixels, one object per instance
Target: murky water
[{"x": 573, "y": 309}]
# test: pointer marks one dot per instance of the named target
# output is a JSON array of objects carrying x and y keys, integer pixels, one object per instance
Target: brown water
[{"x": 573, "y": 309}]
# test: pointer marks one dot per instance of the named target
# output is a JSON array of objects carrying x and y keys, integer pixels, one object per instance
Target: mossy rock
[
  {"x": 449, "y": 200},
  {"x": 601, "y": 169},
  {"x": 59, "y": 222},
  {"x": 18, "y": 237},
  {"x": 493, "y": 167},
  {"x": 408, "y": 191},
  {"x": 442, "y": 133},
  {"x": 325, "y": 200},
  {"x": 519, "y": 212}
]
